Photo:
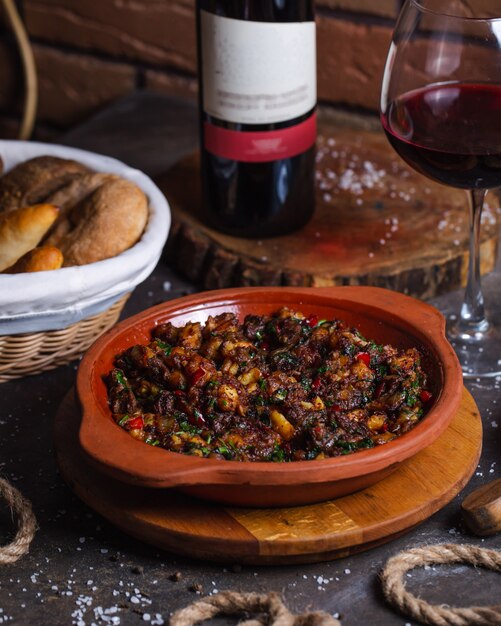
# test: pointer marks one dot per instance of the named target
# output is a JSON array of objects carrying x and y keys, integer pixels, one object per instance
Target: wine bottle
[{"x": 257, "y": 86}]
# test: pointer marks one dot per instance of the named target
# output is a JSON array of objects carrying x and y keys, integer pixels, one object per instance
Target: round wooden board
[
  {"x": 377, "y": 223},
  {"x": 307, "y": 534}
]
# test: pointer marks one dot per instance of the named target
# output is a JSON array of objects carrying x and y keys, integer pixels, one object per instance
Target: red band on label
[{"x": 255, "y": 147}]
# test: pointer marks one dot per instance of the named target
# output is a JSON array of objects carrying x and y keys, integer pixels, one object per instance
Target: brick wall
[{"x": 89, "y": 52}]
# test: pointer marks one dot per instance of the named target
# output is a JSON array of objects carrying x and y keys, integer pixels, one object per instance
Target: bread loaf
[
  {"x": 40, "y": 259},
  {"x": 22, "y": 229},
  {"x": 105, "y": 223},
  {"x": 69, "y": 195},
  {"x": 31, "y": 182}
]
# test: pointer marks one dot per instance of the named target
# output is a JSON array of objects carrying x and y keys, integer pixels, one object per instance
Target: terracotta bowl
[{"x": 382, "y": 315}]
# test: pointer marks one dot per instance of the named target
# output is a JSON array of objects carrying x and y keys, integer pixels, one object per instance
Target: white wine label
[{"x": 257, "y": 72}]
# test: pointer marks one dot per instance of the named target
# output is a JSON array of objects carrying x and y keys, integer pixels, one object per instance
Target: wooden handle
[{"x": 482, "y": 509}]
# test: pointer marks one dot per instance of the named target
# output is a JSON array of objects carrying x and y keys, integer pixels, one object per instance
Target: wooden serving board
[
  {"x": 307, "y": 534},
  {"x": 377, "y": 223}
]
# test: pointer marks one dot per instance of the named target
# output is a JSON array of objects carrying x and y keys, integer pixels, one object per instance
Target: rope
[
  {"x": 26, "y": 524},
  {"x": 392, "y": 579},
  {"x": 269, "y": 607},
  {"x": 30, "y": 73}
]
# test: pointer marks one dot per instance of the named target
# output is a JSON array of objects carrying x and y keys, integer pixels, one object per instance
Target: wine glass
[{"x": 441, "y": 111}]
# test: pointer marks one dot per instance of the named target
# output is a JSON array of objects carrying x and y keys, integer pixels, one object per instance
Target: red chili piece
[
  {"x": 425, "y": 396},
  {"x": 137, "y": 422},
  {"x": 315, "y": 383},
  {"x": 180, "y": 393},
  {"x": 335, "y": 407},
  {"x": 365, "y": 357},
  {"x": 265, "y": 344},
  {"x": 197, "y": 376},
  {"x": 312, "y": 321}
]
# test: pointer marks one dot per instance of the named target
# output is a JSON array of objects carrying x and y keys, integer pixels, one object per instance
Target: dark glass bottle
[{"x": 257, "y": 79}]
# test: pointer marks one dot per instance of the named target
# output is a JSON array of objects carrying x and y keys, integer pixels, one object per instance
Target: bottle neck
[{"x": 261, "y": 10}]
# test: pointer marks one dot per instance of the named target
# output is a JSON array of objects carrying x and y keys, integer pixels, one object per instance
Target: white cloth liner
[{"x": 42, "y": 301}]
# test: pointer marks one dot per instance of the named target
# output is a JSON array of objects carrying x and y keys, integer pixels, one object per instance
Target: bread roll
[
  {"x": 70, "y": 195},
  {"x": 38, "y": 260},
  {"x": 31, "y": 182},
  {"x": 22, "y": 229},
  {"x": 104, "y": 224}
]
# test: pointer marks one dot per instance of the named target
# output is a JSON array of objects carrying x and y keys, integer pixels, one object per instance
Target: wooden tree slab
[
  {"x": 319, "y": 532},
  {"x": 377, "y": 222}
]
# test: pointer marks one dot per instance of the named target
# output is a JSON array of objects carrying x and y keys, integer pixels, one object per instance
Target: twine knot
[
  {"x": 395, "y": 592},
  {"x": 269, "y": 610},
  {"x": 26, "y": 524}
]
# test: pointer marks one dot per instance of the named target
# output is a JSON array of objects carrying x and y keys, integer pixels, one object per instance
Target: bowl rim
[{"x": 163, "y": 468}]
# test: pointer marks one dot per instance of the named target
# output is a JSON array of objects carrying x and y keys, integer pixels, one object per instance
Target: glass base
[{"x": 478, "y": 350}]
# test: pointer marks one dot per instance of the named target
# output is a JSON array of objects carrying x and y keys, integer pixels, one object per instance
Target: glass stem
[{"x": 473, "y": 322}]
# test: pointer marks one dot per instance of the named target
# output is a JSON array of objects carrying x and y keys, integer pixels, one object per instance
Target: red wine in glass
[{"x": 450, "y": 132}]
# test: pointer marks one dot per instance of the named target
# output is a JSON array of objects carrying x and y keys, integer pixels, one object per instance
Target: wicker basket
[{"x": 25, "y": 354}]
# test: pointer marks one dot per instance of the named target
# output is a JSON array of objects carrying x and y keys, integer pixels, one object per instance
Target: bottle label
[
  {"x": 257, "y": 72},
  {"x": 256, "y": 147}
]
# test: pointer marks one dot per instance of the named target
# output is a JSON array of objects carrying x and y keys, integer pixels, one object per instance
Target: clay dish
[{"x": 382, "y": 315}]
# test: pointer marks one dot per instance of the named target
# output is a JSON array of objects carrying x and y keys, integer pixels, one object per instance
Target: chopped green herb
[
  {"x": 152, "y": 442},
  {"x": 186, "y": 427},
  {"x": 374, "y": 346},
  {"x": 120, "y": 378},
  {"x": 260, "y": 401},
  {"x": 278, "y": 455},
  {"x": 124, "y": 419},
  {"x": 224, "y": 450},
  {"x": 349, "y": 349},
  {"x": 366, "y": 443},
  {"x": 411, "y": 400},
  {"x": 211, "y": 403},
  {"x": 347, "y": 447},
  {"x": 380, "y": 370},
  {"x": 167, "y": 348},
  {"x": 306, "y": 383},
  {"x": 279, "y": 395},
  {"x": 271, "y": 328}
]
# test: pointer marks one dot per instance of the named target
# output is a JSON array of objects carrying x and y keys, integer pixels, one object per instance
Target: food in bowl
[
  {"x": 97, "y": 215},
  {"x": 277, "y": 387}
]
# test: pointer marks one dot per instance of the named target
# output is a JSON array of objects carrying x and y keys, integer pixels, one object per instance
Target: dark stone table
[{"x": 81, "y": 570}]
